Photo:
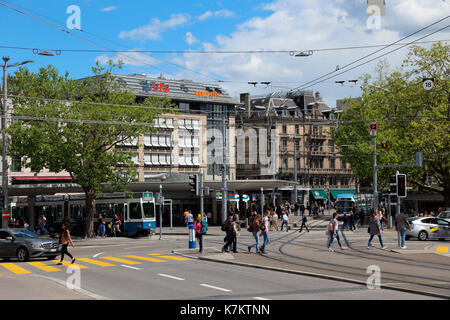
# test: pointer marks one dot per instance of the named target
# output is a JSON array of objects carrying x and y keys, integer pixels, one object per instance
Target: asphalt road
[{"x": 168, "y": 279}]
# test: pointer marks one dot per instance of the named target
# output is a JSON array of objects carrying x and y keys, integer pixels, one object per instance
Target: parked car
[
  {"x": 444, "y": 215},
  {"x": 424, "y": 228},
  {"x": 23, "y": 245}
]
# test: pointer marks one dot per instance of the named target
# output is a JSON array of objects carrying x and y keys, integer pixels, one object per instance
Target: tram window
[
  {"x": 149, "y": 210},
  {"x": 135, "y": 211}
]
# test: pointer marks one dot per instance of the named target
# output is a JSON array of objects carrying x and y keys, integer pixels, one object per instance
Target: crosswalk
[{"x": 86, "y": 263}]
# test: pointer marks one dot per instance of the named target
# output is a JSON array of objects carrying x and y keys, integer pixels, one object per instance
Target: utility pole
[
  {"x": 262, "y": 201},
  {"x": 201, "y": 201},
  {"x": 224, "y": 170},
  {"x": 375, "y": 189},
  {"x": 161, "y": 203},
  {"x": 295, "y": 172}
]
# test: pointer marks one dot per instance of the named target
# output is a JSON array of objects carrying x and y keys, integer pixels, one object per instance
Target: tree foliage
[
  {"x": 409, "y": 119},
  {"x": 79, "y": 137}
]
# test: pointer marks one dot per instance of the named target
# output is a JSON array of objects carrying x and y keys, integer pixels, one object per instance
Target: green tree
[
  {"x": 409, "y": 118},
  {"x": 79, "y": 137}
]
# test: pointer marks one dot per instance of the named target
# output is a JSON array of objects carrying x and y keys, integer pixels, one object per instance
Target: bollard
[{"x": 191, "y": 236}]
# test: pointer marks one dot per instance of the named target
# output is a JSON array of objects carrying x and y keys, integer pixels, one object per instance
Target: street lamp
[{"x": 5, "y": 136}]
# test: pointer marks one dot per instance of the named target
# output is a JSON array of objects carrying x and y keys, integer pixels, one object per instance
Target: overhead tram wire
[
  {"x": 108, "y": 49},
  {"x": 366, "y": 62},
  {"x": 366, "y": 56}
]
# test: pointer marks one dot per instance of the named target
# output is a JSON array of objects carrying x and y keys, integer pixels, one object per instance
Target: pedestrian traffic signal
[
  {"x": 194, "y": 184},
  {"x": 393, "y": 185},
  {"x": 373, "y": 126},
  {"x": 401, "y": 185}
]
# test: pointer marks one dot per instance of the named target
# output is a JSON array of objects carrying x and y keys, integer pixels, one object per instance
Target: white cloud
[
  {"x": 108, "y": 9},
  {"x": 303, "y": 25},
  {"x": 190, "y": 39},
  {"x": 153, "y": 30},
  {"x": 130, "y": 58},
  {"x": 224, "y": 13}
]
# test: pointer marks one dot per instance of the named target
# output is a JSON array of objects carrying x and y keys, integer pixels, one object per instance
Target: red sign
[
  {"x": 161, "y": 87},
  {"x": 6, "y": 214}
]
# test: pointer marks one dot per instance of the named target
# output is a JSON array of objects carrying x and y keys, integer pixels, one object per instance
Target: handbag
[{"x": 368, "y": 230}]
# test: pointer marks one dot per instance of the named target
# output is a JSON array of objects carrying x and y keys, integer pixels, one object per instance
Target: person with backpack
[
  {"x": 304, "y": 220},
  {"x": 333, "y": 232},
  {"x": 198, "y": 232},
  {"x": 254, "y": 229},
  {"x": 264, "y": 226},
  {"x": 231, "y": 236}
]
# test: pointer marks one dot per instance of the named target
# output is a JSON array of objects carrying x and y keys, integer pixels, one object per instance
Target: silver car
[
  {"x": 424, "y": 228},
  {"x": 444, "y": 215},
  {"x": 23, "y": 245}
]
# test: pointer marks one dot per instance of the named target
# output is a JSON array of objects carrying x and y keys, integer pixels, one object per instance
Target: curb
[{"x": 315, "y": 275}]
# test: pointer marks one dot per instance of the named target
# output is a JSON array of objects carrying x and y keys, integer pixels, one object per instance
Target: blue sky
[{"x": 218, "y": 25}]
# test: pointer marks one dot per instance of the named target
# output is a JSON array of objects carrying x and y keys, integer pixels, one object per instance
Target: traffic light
[
  {"x": 373, "y": 126},
  {"x": 401, "y": 185},
  {"x": 194, "y": 184},
  {"x": 393, "y": 185}
]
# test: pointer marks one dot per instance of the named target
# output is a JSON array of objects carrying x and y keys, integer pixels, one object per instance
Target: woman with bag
[
  {"x": 64, "y": 240},
  {"x": 375, "y": 230},
  {"x": 254, "y": 229},
  {"x": 265, "y": 230},
  {"x": 198, "y": 232}
]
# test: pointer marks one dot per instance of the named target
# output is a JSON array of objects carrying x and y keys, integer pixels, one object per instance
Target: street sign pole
[
  {"x": 161, "y": 201},
  {"x": 201, "y": 203}
]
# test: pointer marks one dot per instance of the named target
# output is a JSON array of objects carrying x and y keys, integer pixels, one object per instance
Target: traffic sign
[
  {"x": 373, "y": 128},
  {"x": 6, "y": 215},
  {"x": 428, "y": 83}
]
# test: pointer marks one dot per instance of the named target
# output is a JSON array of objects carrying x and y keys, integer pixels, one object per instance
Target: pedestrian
[
  {"x": 275, "y": 220},
  {"x": 351, "y": 221},
  {"x": 345, "y": 224},
  {"x": 401, "y": 225},
  {"x": 333, "y": 232},
  {"x": 116, "y": 225},
  {"x": 285, "y": 221},
  {"x": 42, "y": 229},
  {"x": 382, "y": 219},
  {"x": 265, "y": 231},
  {"x": 254, "y": 228},
  {"x": 375, "y": 230},
  {"x": 361, "y": 217},
  {"x": 231, "y": 236},
  {"x": 198, "y": 232},
  {"x": 304, "y": 220},
  {"x": 189, "y": 218},
  {"x": 25, "y": 224},
  {"x": 186, "y": 212},
  {"x": 101, "y": 231},
  {"x": 64, "y": 240}
]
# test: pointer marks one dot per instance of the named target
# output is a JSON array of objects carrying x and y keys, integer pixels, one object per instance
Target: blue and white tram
[{"x": 345, "y": 203}]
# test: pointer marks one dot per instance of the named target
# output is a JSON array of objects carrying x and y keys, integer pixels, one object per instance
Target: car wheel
[
  {"x": 23, "y": 255},
  {"x": 423, "y": 236},
  {"x": 51, "y": 257}
]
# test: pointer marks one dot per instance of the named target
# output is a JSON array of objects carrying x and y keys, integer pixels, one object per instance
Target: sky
[{"x": 286, "y": 26}]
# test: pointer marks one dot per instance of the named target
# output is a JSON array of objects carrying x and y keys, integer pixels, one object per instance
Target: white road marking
[
  {"x": 212, "y": 287},
  {"x": 124, "y": 265},
  {"x": 97, "y": 254},
  {"x": 168, "y": 276},
  {"x": 260, "y": 298}
]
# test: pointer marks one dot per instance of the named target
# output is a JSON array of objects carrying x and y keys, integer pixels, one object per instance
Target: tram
[
  {"x": 345, "y": 203},
  {"x": 137, "y": 214}
]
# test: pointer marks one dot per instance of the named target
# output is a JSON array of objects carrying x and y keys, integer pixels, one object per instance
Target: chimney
[{"x": 245, "y": 99}]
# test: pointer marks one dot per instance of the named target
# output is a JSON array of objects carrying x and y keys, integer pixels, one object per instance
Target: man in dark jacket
[{"x": 401, "y": 225}]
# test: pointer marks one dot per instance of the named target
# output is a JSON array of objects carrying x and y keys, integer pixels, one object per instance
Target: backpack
[
  {"x": 262, "y": 225},
  {"x": 226, "y": 226},
  {"x": 330, "y": 227},
  {"x": 204, "y": 227}
]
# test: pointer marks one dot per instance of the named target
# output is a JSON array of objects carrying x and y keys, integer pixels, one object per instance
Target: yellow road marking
[
  {"x": 14, "y": 268},
  {"x": 98, "y": 263},
  {"x": 145, "y": 258},
  {"x": 442, "y": 250},
  {"x": 68, "y": 264},
  {"x": 121, "y": 260},
  {"x": 168, "y": 257},
  {"x": 43, "y": 266}
]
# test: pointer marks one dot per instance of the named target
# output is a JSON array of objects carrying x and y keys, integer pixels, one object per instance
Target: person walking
[
  {"x": 116, "y": 225},
  {"x": 189, "y": 218},
  {"x": 351, "y": 221},
  {"x": 198, "y": 232},
  {"x": 401, "y": 225},
  {"x": 254, "y": 229},
  {"x": 101, "y": 231},
  {"x": 285, "y": 221},
  {"x": 345, "y": 224},
  {"x": 361, "y": 217},
  {"x": 265, "y": 231},
  {"x": 64, "y": 241},
  {"x": 304, "y": 220},
  {"x": 231, "y": 237},
  {"x": 333, "y": 232},
  {"x": 375, "y": 230},
  {"x": 42, "y": 229},
  {"x": 274, "y": 220}
]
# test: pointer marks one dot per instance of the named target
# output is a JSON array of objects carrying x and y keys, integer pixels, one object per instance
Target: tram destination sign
[{"x": 147, "y": 195}]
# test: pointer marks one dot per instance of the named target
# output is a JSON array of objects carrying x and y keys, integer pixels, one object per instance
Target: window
[
  {"x": 297, "y": 144},
  {"x": 284, "y": 128},
  {"x": 149, "y": 210},
  {"x": 183, "y": 106},
  {"x": 332, "y": 163},
  {"x": 343, "y": 164},
  {"x": 148, "y": 159},
  {"x": 135, "y": 211},
  {"x": 147, "y": 140},
  {"x": 284, "y": 144},
  {"x": 297, "y": 129},
  {"x": 16, "y": 165},
  {"x": 331, "y": 145},
  {"x": 285, "y": 163}
]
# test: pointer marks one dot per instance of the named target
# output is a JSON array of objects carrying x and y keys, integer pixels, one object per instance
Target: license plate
[{"x": 53, "y": 250}]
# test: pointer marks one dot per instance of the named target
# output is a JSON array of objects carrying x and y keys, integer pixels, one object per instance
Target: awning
[
  {"x": 335, "y": 192},
  {"x": 319, "y": 194}
]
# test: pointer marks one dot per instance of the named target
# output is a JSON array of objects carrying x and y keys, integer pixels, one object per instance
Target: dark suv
[{"x": 24, "y": 244}]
